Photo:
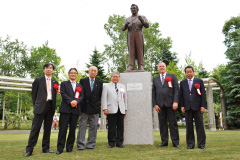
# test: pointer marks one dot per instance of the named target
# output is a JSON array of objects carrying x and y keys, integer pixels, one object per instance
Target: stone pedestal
[
  {"x": 211, "y": 114},
  {"x": 138, "y": 123}
]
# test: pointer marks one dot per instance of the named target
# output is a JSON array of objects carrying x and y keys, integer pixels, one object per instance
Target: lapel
[
  {"x": 193, "y": 85},
  {"x": 87, "y": 87},
  {"x": 112, "y": 85},
  {"x": 95, "y": 85},
  {"x": 52, "y": 83},
  {"x": 159, "y": 81},
  {"x": 44, "y": 83},
  {"x": 185, "y": 83},
  {"x": 70, "y": 87}
]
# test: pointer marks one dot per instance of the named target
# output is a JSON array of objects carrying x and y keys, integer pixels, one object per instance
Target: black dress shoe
[
  {"x": 27, "y": 154},
  {"x": 58, "y": 152},
  {"x": 89, "y": 148},
  {"x": 190, "y": 147},
  {"x": 120, "y": 146},
  {"x": 201, "y": 147},
  {"x": 162, "y": 145},
  {"x": 80, "y": 149},
  {"x": 110, "y": 146},
  {"x": 70, "y": 150},
  {"x": 47, "y": 151},
  {"x": 176, "y": 146}
]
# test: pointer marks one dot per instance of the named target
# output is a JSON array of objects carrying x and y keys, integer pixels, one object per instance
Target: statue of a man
[{"x": 134, "y": 24}]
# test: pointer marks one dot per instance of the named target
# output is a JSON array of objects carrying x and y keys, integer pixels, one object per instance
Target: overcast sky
[{"x": 75, "y": 27}]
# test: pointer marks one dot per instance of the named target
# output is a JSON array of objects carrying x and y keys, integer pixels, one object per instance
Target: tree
[
  {"x": 231, "y": 76},
  {"x": 13, "y": 57},
  {"x": 96, "y": 60},
  {"x": 40, "y": 56},
  {"x": 155, "y": 48},
  {"x": 203, "y": 73},
  {"x": 216, "y": 73},
  {"x": 116, "y": 54}
]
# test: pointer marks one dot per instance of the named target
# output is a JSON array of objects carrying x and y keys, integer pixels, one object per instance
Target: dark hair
[
  {"x": 134, "y": 5},
  {"x": 46, "y": 65},
  {"x": 189, "y": 67},
  {"x": 72, "y": 69}
]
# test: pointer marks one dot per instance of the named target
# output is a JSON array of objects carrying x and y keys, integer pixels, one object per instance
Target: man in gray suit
[
  {"x": 165, "y": 101},
  {"x": 90, "y": 109},
  {"x": 114, "y": 105}
]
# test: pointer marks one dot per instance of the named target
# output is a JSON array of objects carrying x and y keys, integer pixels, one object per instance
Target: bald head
[{"x": 92, "y": 71}]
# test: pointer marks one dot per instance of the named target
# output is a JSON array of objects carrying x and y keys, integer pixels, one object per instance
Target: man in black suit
[
  {"x": 165, "y": 102},
  {"x": 192, "y": 100},
  {"x": 72, "y": 95},
  {"x": 91, "y": 107},
  {"x": 44, "y": 102}
]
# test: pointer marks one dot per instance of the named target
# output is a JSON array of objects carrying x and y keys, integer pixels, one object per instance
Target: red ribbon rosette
[
  {"x": 197, "y": 86},
  {"x": 168, "y": 79},
  {"x": 55, "y": 86},
  {"x": 78, "y": 90}
]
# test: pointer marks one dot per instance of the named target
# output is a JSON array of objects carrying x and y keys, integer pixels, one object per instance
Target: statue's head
[{"x": 134, "y": 8}]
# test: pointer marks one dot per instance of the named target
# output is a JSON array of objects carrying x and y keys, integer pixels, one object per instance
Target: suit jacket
[
  {"x": 111, "y": 100},
  {"x": 68, "y": 94},
  {"x": 91, "y": 103},
  {"x": 135, "y": 23},
  {"x": 162, "y": 95},
  {"x": 39, "y": 94},
  {"x": 192, "y": 99}
]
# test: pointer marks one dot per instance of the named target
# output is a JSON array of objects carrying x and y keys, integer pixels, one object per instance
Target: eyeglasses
[{"x": 73, "y": 73}]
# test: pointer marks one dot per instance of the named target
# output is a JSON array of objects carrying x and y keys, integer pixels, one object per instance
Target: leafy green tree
[
  {"x": 96, "y": 60},
  {"x": 172, "y": 68},
  {"x": 216, "y": 73},
  {"x": 116, "y": 54},
  {"x": 203, "y": 73},
  {"x": 13, "y": 57},
  {"x": 40, "y": 56},
  {"x": 231, "y": 76}
]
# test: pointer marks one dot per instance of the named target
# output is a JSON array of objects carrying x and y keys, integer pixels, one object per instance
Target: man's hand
[
  {"x": 183, "y": 109},
  {"x": 140, "y": 18},
  {"x": 175, "y": 106},
  {"x": 74, "y": 103},
  {"x": 106, "y": 112},
  {"x": 126, "y": 24},
  {"x": 125, "y": 113},
  {"x": 157, "y": 108},
  {"x": 202, "y": 109}
]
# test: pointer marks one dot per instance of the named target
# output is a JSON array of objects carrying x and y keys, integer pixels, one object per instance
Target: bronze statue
[{"x": 134, "y": 24}]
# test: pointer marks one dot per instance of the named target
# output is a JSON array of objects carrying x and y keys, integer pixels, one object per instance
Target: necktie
[
  {"x": 116, "y": 88},
  {"x": 48, "y": 86},
  {"x": 190, "y": 84},
  {"x": 91, "y": 84},
  {"x": 162, "y": 79}
]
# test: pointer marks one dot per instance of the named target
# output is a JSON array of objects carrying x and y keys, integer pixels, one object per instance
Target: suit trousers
[
  {"x": 115, "y": 128},
  {"x": 92, "y": 131},
  {"x": 168, "y": 114},
  {"x": 65, "y": 119},
  {"x": 201, "y": 136},
  {"x": 47, "y": 117},
  {"x": 136, "y": 50}
]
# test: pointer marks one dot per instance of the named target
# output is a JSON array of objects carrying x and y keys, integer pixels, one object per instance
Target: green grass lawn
[{"x": 220, "y": 145}]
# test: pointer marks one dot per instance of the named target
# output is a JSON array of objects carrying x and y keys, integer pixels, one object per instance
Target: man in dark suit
[
  {"x": 91, "y": 107},
  {"x": 192, "y": 99},
  {"x": 72, "y": 95},
  {"x": 165, "y": 102},
  {"x": 44, "y": 102}
]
